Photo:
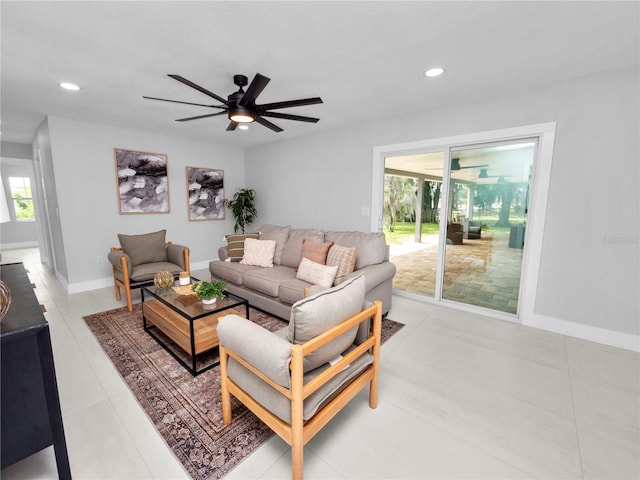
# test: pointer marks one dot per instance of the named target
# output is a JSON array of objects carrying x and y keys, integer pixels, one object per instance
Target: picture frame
[
  {"x": 142, "y": 182},
  {"x": 205, "y": 194}
]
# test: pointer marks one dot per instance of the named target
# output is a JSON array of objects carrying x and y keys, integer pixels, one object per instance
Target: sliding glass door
[
  {"x": 456, "y": 221},
  {"x": 412, "y": 203},
  {"x": 489, "y": 194}
]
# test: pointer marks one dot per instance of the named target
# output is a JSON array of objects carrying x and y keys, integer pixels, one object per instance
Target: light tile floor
[{"x": 461, "y": 396}]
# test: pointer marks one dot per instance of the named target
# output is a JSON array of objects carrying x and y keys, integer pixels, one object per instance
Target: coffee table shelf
[{"x": 187, "y": 322}]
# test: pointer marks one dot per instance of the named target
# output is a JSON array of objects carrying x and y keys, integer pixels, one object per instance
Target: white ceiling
[{"x": 365, "y": 59}]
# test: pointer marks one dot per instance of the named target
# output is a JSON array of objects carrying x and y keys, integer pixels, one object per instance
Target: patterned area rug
[{"x": 186, "y": 410}]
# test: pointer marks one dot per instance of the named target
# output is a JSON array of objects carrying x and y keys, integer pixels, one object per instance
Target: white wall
[
  {"x": 85, "y": 175},
  {"x": 52, "y": 248},
  {"x": 589, "y": 265}
]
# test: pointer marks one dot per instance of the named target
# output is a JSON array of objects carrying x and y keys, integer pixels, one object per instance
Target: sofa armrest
[
  {"x": 263, "y": 349},
  {"x": 376, "y": 274},
  {"x": 115, "y": 257},
  {"x": 222, "y": 253}
]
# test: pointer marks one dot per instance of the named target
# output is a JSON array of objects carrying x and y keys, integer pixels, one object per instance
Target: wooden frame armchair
[
  {"x": 290, "y": 386},
  {"x": 140, "y": 257}
]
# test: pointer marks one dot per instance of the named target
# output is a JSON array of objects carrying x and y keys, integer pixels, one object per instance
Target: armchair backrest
[
  {"x": 314, "y": 315},
  {"x": 145, "y": 248}
]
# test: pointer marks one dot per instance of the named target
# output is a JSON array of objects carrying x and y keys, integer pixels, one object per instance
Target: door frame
[{"x": 536, "y": 216}]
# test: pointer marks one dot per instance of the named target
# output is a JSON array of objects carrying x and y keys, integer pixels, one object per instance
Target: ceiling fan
[
  {"x": 240, "y": 107},
  {"x": 484, "y": 173},
  {"x": 455, "y": 165}
]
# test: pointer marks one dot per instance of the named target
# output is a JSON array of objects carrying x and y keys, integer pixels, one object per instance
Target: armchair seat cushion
[
  {"x": 146, "y": 272},
  {"x": 278, "y": 404}
]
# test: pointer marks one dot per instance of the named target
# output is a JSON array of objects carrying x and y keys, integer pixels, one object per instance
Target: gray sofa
[{"x": 275, "y": 289}]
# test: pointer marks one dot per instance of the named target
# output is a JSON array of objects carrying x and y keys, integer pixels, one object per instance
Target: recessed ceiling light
[
  {"x": 69, "y": 86},
  {"x": 243, "y": 127},
  {"x": 434, "y": 72}
]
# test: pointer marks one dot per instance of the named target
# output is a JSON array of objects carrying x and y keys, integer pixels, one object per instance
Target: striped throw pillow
[
  {"x": 344, "y": 258},
  {"x": 235, "y": 245}
]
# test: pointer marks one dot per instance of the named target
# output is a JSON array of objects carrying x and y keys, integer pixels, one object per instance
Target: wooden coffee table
[{"x": 180, "y": 316}]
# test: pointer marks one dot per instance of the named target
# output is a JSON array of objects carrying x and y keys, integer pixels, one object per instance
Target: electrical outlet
[{"x": 99, "y": 259}]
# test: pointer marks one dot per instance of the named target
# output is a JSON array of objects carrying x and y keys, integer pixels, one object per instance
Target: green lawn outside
[{"x": 407, "y": 229}]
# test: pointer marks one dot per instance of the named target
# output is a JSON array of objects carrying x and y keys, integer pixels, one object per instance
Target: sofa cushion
[
  {"x": 371, "y": 248},
  {"x": 344, "y": 258},
  {"x": 292, "y": 253},
  {"x": 318, "y": 313},
  {"x": 314, "y": 251},
  {"x": 268, "y": 280},
  {"x": 258, "y": 252},
  {"x": 235, "y": 245},
  {"x": 232, "y": 272},
  {"x": 292, "y": 290},
  {"x": 316, "y": 273},
  {"x": 146, "y": 248},
  {"x": 279, "y": 234}
]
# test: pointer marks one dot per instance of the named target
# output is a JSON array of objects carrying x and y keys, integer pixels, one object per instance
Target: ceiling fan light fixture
[
  {"x": 240, "y": 115},
  {"x": 483, "y": 173}
]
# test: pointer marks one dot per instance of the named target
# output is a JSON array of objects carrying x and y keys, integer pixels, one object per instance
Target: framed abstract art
[
  {"x": 205, "y": 193},
  {"x": 143, "y": 182}
]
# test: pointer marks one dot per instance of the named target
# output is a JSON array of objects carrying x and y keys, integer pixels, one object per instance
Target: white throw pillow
[
  {"x": 316, "y": 273},
  {"x": 258, "y": 252}
]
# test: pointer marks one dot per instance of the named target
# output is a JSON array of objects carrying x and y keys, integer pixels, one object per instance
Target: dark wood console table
[{"x": 30, "y": 406}]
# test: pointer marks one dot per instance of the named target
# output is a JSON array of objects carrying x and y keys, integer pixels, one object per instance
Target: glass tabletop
[{"x": 181, "y": 299}]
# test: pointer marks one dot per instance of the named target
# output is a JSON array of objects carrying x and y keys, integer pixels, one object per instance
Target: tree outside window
[{"x": 22, "y": 199}]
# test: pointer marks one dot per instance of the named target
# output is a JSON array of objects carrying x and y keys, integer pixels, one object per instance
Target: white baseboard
[
  {"x": 200, "y": 265},
  {"x": 90, "y": 285},
  {"x": 17, "y": 245},
  {"x": 612, "y": 338},
  {"x": 79, "y": 287}
]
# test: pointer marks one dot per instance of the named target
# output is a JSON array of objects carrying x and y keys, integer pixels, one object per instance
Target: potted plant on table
[
  {"x": 242, "y": 205},
  {"x": 209, "y": 292}
]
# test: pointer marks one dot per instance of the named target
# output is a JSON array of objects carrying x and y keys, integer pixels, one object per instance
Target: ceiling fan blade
[
  {"x": 288, "y": 116},
  {"x": 255, "y": 88},
  {"x": 186, "y": 103},
  {"x": 472, "y": 166},
  {"x": 200, "y": 116},
  {"x": 290, "y": 103},
  {"x": 232, "y": 126},
  {"x": 268, "y": 124},
  {"x": 198, "y": 87}
]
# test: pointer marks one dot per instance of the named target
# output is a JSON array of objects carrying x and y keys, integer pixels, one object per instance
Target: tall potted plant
[{"x": 243, "y": 208}]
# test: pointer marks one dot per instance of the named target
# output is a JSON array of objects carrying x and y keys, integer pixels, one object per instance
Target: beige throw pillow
[
  {"x": 316, "y": 273},
  {"x": 258, "y": 252}
]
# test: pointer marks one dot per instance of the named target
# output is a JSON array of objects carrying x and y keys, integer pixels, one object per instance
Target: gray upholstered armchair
[
  {"x": 140, "y": 257},
  {"x": 297, "y": 379},
  {"x": 475, "y": 230}
]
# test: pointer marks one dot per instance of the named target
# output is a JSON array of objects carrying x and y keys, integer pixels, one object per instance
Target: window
[{"x": 22, "y": 199}]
